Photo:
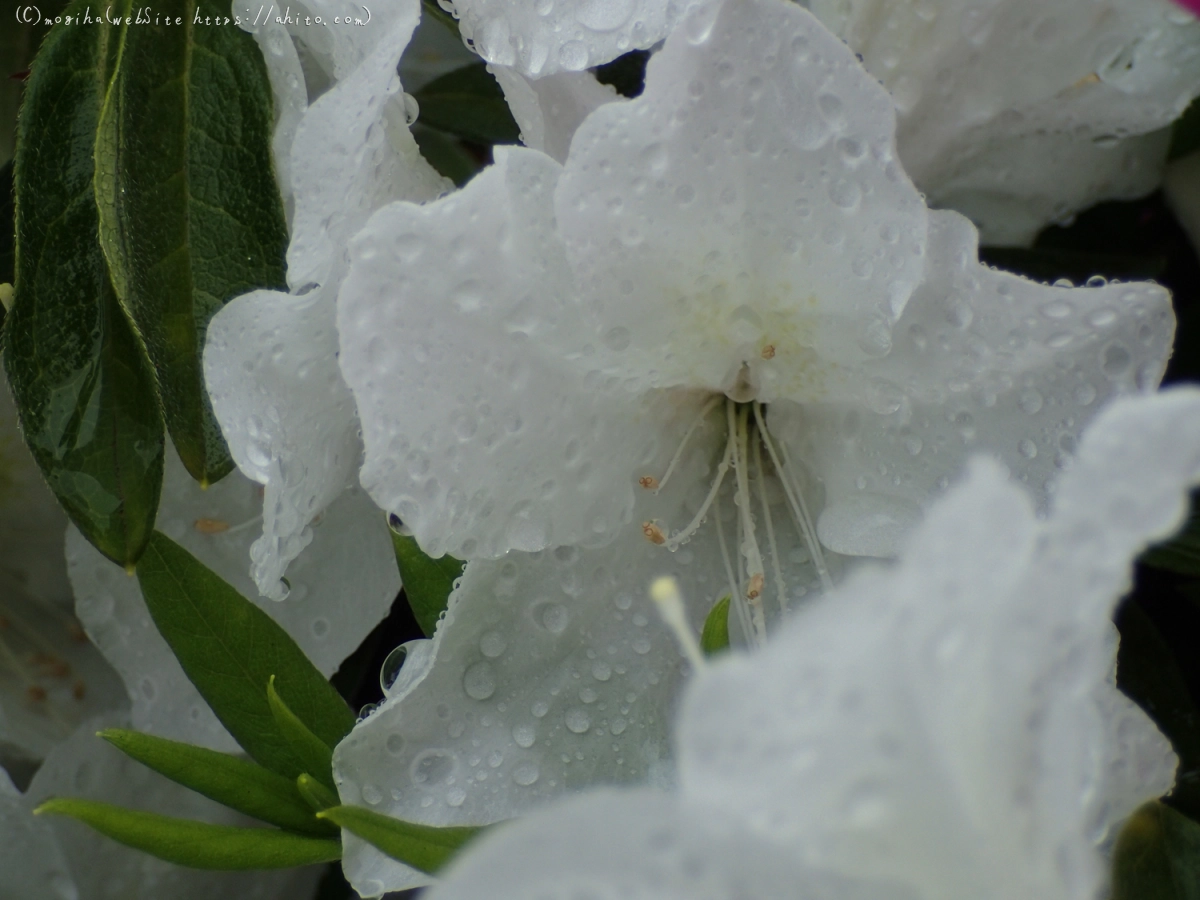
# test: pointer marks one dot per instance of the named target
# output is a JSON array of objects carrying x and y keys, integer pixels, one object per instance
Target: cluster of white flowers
[{"x": 735, "y": 331}]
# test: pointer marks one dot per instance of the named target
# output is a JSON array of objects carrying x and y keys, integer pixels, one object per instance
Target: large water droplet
[
  {"x": 524, "y": 735},
  {"x": 492, "y": 644},
  {"x": 525, "y": 773},
  {"x": 391, "y": 667},
  {"x": 479, "y": 681},
  {"x": 553, "y": 617},
  {"x": 432, "y": 767},
  {"x": 578, "y": 721}
]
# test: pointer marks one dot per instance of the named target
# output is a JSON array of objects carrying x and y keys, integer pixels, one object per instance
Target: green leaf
[
  {"x": 1157, "y": 856},
  {"x": 315, "y": 794},
  {"x": 229, "y": 780},
  {"x": 1181, "y": 553},
  {"x": 715, "y": 636},
  {"x": 198, "y": 845},
  {"x": 427, "y": 582},
  {"x": 190, "y": 216},
  {"x": 446, "y": 154},
  {"x": 314, "y": 755},
  {"x": 1185, "y": 133},
  {"x": 82, "y": 385},
  {"x": 434, "y": 11},
  {"x": 8, "y": 227},
  {"x": 230, "y": 648},
  {"x": 423, "y": 847},
  {"x": 469, "y": 103}
]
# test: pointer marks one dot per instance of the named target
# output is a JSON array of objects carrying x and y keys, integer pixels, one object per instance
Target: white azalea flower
[
  {"x": 545, "y": 37},
  {"x": 338, "y": 591},
  {"x": 270, "y": 359},
  {"x": 946, "y": 728},
  {"x": 1020, "y": 113},
  {"x": 51, "y": 678},
  {"x": 731, "y": 271},
  {"x": 61, "y": 859}
]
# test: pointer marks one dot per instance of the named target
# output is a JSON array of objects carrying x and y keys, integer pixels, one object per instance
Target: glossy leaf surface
[
  {"x": 715, "y": 636},
  {"x": 1157, "y": 856},
  {"x": 189, "y": 211},
  {"x": 469, "y": 103},
  {"x": 78, "y": 373},
  {"x": 229, "y": 648},
  {"x": 314, "y": 755}
]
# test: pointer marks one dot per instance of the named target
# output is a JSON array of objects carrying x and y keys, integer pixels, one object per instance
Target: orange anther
[
  {"x": 754, "y": 588},
  {"x": 649, "y": 482},
  {"x": 653, "y": 533},
  {"x": 768, "y": 352},
  {"x": 211, "y": 526}
]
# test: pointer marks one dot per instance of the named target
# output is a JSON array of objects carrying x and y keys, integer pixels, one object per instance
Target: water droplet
[
  {"x": 397, "y": 525},
  {"x": 412, "y": 109},
  {"x": 1102, "y": 318},
  {"x": 876, "y": 339},
  {"x": 578, "y": 721},
  {"x": 395, "y": 744},
  {"x": 573, "y": 56},
  {"x": 320, "y": 627},
  {"x": 391, "y": 667},
  {"x": 587, "y": 695},
  {"x": 1117, "y": 360},
  {"x": 1027, "y": 448},
  {"x": 456, "y": 797},
  {"x": 1059, "y": 309},
  {"x": 540, "y": 708},
  {"x": 1030, "y": 401},
  {"x": 623, "y": 600},
  {"x": 371, "y": 795},
  {"x": 479, "y": 681},
  {"x": 1085, "y": 394},
  {"x": 845, "y": 193},
  {"x": 492, "y": 644},
  {"x": 525, "y": 773},
  {"x": 641, "y": 645},
  {"x": 524, "y": 735},
  {"x": 432, "y": 767},
  {"x": 618, "y": 725},
  {"x": 553, "y": 617},
  {"x": 602, "y": 671},
  {"x": 617, "y": 339}
]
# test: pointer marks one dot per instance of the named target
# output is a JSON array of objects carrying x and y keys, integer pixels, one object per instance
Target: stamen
[
  {"x": 738, "y": 604},
  {"x": 768, "y": 352},
  {"x": 653, "y": 533},
  {"x": 665, "y": 594},
  {"x": 220, "y": 526},
  {"x": 776, "y": 569},
  {"x": 655, "y": 484},
  {"x": 799, "y": 509},
  {"x": 742, "y": 500},
  {"x": 676, "y": 541}
]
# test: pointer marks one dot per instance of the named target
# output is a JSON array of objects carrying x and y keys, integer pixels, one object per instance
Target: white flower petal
[
  {"x": 87, "y": 766},
  {"x": 1060, "y": 86},
  {"x": 270, "y": 359},
  {"x": 982, "y": 361},
  {"x": 549, "y": 672},
  {"x": 550, "y": 109},
  {"x": 747, "y": 205},
  {"x": 31, "y": 861},
  {"x": 340, "y": 589},
  {"x": 540, "y": 38},
  {"x": 498, "y": 439},
  {"x": 956, "y": 745},
  {"x": 271, "y": 368}
]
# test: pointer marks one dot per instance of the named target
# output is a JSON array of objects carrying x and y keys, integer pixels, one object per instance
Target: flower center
[{"x": 747, "y": 436}]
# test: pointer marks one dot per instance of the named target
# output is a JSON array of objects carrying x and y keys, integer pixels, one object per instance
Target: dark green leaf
[
  {"x": 1157, "y": 856},
  {"x": 715, "y": 636},
  {"x": 234, "y": 782},
  {"x": 427, "y": 582},
  {"x": 8, "y": 225},
  {"x": 197, "y": 844},
  {"x": 314, "y": 755},
  {"x": 83, "y": 387},
  {"x": 469, "y": 103},
  {"x": 433, "y": 10},
  {"x": 190, "y": 216},
  {"x": 1182, "y": 552},
  {"x": 420, "y": 846},
  {"x": 1185, "y": 133},
  {"x": 230, "y": 648},
  {"x": 315, "y": 794},
  {"x": 446, "y": 154}
]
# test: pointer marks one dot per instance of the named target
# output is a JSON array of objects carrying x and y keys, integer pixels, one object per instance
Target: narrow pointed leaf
[
  {"x": 230, "y": 648},
  {"x": 715, "y": 636},
  {"x": 427, "y": 582},
  {"x": 314, "y": 755},
  {"x": 433, "y": 10},
  {"x": 190, "y": 213},
  {"x": 446, "y": 154},
  {"x": 1157, "y": 856},
  {"x": 315, "y": 794},
  {"x": 82, "y": 384},
  {"x": 423, "y": 847},
  {"x": 198, "y": 845},
  {"x": 469, "y": 103},
  {"x": 229, "y": 780}
]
